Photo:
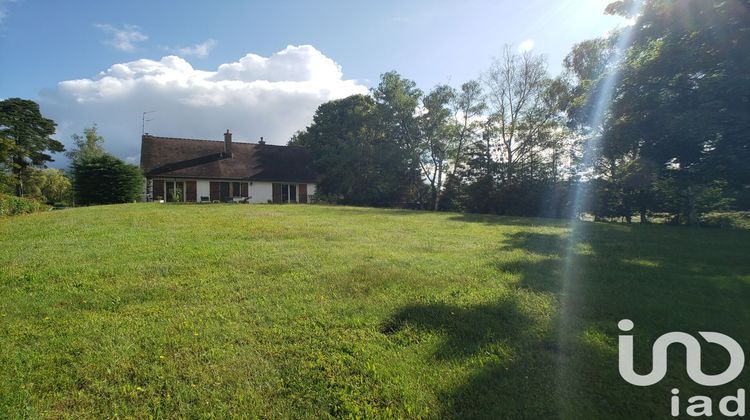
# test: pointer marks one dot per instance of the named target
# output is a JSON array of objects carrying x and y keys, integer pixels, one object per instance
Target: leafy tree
[
  {"x": 397, "y": 99},
  {"x": 585, "y": 66},
  {"x": 358, "y": 165},
  {"x": 438, "y": 139},
  {"x": 88, "y": 145},
  {"x": 468, "y": 107},
  {"x": 105, "y": 180},
  {"x": 367, "y": 148},
  {"x": 47, "y": 185},
  {"x": 25, "y": 138},
  {"x": 681, "y": 106},
  {"x": 339, "y": 142},
  {"x": 521, "y": 114}
]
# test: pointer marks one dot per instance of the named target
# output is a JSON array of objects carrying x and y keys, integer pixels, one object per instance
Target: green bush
[
  {"x": 106, "y": 180},
  {"x": 727, "y": 220},
  {"x": 11, "y": 205}
]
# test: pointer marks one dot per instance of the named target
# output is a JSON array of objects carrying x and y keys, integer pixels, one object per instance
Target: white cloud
[
  {"x": 526, "y": 45},
  {"x": 124, "y": 38},
  {"x": 198, "y": 50},
  {"x": 255, "y": 96}
]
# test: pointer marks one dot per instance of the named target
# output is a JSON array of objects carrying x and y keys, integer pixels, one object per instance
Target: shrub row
[
  {"x": 11, "y": 205},
  {"x": 727, "y": 220}
]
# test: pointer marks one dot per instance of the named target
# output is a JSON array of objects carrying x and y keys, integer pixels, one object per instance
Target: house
[{"x": 192, "y": 170}]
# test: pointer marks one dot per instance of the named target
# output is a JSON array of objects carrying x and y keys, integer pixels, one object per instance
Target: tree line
[
  {"x": 26, "y": 146},
  {"x": 672, "y": 141}
]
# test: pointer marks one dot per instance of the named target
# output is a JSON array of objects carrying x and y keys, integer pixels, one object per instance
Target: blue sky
[{"x": 45, "y": 43}]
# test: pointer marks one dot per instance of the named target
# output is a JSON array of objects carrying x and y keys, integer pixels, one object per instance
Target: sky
[{"x": 256, "y": 68}]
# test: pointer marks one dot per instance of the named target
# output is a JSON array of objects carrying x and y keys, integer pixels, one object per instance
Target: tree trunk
[
  {"x": 692, "y": 217},
  {"x": 439, "y": 191},
  {"x": 644, "y": 218},
  {"x": 509, "y": 170},
  {"x": 433, "y": 189},
  {"x": 19, "y": 182},
  {"x": 691, "y": 212}
]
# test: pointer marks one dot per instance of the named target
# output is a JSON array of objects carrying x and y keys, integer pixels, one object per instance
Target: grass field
[{"x": 311, "y": 311}]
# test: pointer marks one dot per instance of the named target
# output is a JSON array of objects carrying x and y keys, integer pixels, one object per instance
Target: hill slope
[{"x": 314, "y": 311}]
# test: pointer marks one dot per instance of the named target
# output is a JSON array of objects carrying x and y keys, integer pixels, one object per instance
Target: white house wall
[
  {"x": 260, "y": 192},
  {"x": 203, "y": 189}
]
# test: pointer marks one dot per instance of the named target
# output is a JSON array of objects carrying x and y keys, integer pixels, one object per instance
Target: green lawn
[{"x": 310, "y": 311}]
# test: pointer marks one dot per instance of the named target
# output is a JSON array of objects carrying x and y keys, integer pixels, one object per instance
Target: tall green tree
[
  {"x": 341, "y": 142},
  {"x": 682, "y": 104},
  {"x": 105, "y": 179},
  {"x": 467, "y": 108},
  {"x": 88, "y": 145},
  {"x": 397, "y": 99},
  {"x": 521, "y": 114},
  {"x": 439, "y": 136},
  {"x": 25, "y": 138}
]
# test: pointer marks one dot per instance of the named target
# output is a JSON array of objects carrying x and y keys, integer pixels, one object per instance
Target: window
[
  {"x": 288, "y": 193},
  {"x": 236, "y": 189},
  {"x": 284, "y": 193},
  {"x": 175, "y": 191}
]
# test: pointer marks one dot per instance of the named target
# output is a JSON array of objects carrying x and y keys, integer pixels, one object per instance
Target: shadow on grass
[
  {"x": 517, "y": 362},
  {"x": 663, "y": 279},
  {"x": 490, "y": 219}
]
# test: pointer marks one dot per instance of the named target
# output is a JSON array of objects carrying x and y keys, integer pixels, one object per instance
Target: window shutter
[
  {"x": 215, "y": 191},
  {"x": 158, "y": 189},
  {"x": 191, "y": 191}
]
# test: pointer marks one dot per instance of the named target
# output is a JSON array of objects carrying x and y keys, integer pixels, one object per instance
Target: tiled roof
[{"x": 192, "y": 158}]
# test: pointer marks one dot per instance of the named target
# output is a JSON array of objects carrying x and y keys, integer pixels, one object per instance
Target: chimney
[
  {"x": 262, "y": 142},
  {"x": 228, "y": 144}
]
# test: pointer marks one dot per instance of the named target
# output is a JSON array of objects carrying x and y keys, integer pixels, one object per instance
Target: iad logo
[{"x": 699, "y": 405}]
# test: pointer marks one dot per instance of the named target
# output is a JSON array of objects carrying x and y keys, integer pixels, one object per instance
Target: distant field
[{"x": 310, "y": 311}]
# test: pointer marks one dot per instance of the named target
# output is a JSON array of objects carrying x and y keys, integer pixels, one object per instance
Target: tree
[
  {"x": 438, "y": 139},
  {"x": 520, "y": 113},
  {"x": 515, "y": 144},
  {"x": 87, "y": 146},
  {"x": 467, "y": 108},
  {"x": 681, "y": 106},
  {"x": 340, "y": 142},
  {"x": 105, "y": 180},
  {"x": 47, "y": 185},
  {"x": 358, "y": 164},
  {"x": 397, "y": 99},
  {"x": 26, "y": 138}
]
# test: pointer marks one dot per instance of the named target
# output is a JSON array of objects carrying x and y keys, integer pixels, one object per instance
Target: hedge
[
  {"x": 11, "y": 205},
  {"x": 106, "y": 180}
]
